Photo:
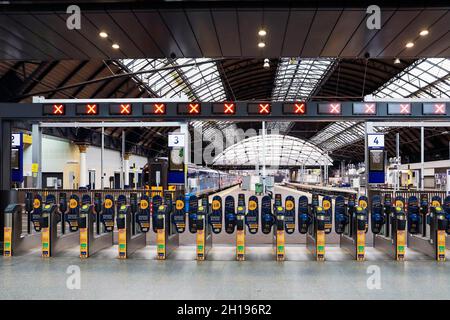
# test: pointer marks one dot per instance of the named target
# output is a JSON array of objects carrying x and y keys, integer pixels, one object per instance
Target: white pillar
[
  {"x": 126, "y": 164},
  {"x": 83, "y": 166}
]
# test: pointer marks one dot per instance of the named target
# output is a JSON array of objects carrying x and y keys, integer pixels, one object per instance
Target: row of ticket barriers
[{"x": 59, "y": 224}]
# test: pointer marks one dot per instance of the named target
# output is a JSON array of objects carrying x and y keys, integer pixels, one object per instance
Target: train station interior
[{"x": 224, "y": 150}]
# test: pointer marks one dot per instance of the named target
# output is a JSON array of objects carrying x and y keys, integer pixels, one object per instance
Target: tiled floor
[{"x": 141, "y": 277}]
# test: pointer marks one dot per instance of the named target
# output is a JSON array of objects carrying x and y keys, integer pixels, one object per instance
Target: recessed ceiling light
[
  {"x": 397, "y": 61},
  {"x": 261, "y": 44},
  {"x": 423, "y": 33},
  {"x": 103, "y": 34},
  {"x": 115, "y": 46},
  {"x": 410, "y": 45},
  {"x": 262, "y": 32}
]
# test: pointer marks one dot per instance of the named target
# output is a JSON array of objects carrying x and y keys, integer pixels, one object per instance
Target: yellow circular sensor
[
  {"x": 36, "y": 203},
  {"x": 359, "y": 209},
  {"x": 179, "y": 204},
  {"x": 252, "y": 205},
  {"x": 108, "y": 203},
  {"x": 240, "y": 208},
  {"x": 438, "y": 209},
  {"x": 144, "y": 204},
  {"x": 161, "y": 207},
  {"x": 216, "y": 204},
  {"x": 279, "y": 208},
  {"x": 73, "y": 203}
]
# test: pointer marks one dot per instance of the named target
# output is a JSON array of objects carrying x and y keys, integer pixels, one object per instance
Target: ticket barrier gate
[
  {"x": 93, "y": 235},
  {"x": 315, "y": 237},
  {"x": 129, "y": 241},
  {"x": 53, "y": 242},
  {"x": 432, "y": 240},
  {"x": 240, "y": 233},
  {"x": 353, "y": 237},
  {"x": 203, "y": 234},
  {"x": 15, "y": 241},
  {"x": 167, "y": 238},
  {"x": 389, "y": 225}
]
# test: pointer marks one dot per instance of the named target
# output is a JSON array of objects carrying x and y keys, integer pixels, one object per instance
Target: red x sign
[
  {"x": 91, "y": 109},
  {"x": 369, "y": 108},
  {"x": 159, "y": 108},
  {"x": 439, "y": 108},
  {"x": 405, "y": 108},
  {"x": 194, "y": 108},
  {"x": 229, "y": 108},
  {"x": 335, "y": 108},
  {"x": 299, "y": 108},
  {"x": 264, "y": 108},
  {"x": 125, "y": 109},
  {"x": 58, "y": 109}
]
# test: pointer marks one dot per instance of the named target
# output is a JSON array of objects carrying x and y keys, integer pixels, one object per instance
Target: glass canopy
[
  {"x": 200, "y": 82},
  {"x": 280, "y": 150},
  {"x": 425, "y": 78}
]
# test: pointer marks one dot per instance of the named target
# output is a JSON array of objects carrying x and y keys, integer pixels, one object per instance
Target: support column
[
  {"x": 422, "y": 157},
  {"x": 83, "y": 166},
  {"x": 126, "y": 164},
  {"x": 5, "y": 154},
  {"x": 36, "y": 155}
]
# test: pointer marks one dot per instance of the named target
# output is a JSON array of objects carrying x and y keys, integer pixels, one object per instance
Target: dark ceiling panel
[
  {"x": 362, "y": 36},
  {"x": 103, "y": 22},
  {"x": 249, "y": 24},
  {"x": 42, "y": 31},
  {"x": 128, "y": 22},
  {"x": 205, "y": 32},
  {"x": 228, "y": 33},
  {"x": 178, "y": 24},
  {"x": 22, "y": 48},
  {"x": 154, "y": 25},
  {"x": 296, "y": 32},
  {"x": 347, "y": 24},
  {"x": 12, "y": 48},
  {"x": 437, "y": 31},
  {"x": 24, "y": 34},
  {"x": 322, "y": 26},
  {"x": 56, "y": 22},
  {"x": 275, "y": 23},
  {"x": 439, "y": 46},
  {"x": 398, "y": 22},
  {"x": 423, "y": 21}
]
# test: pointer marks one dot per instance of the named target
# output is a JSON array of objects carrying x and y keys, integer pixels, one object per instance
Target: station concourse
[{"x": 202, "y": 150}]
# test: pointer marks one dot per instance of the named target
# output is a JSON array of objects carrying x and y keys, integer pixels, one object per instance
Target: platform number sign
[
  {"x": 375, "y": 141},
  {"x": 176, "y": 140}
]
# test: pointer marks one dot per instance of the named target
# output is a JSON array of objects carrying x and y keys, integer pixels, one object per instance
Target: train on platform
[{"x": 201, "y": 180}]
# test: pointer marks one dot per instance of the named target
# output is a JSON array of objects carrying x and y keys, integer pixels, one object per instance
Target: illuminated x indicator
[
  {"x": 299, "y": 108},
  {"x": 369, "y": 108},
  {"x": 229, "y": 108},
  {"x": 439, "y": 108},
  {"x": 404, "y": 108},
  {"x": 264, "y": 108},
  {"x": 335, "y": 108},
  {"x": 91, "y": 109},
  {"x": 194, "y": 108},
  {"x": 159, "y": 108},
  {"x": 58, "y": 109},
  {"x": 125, "y": 109}
]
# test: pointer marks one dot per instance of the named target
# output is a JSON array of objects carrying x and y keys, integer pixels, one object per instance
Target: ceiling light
[
  {"x": 103, "y": 34},
  {"x": 423, "y": 33},
  {"x": 266, "y": 64},
  {"x": 410, "y": 44},
  {"x": 261, "y": 44},
  {"x": 262, "y": 32},
  {"x": 115, "y": 46},
  {"x": 397, "y": 61}
]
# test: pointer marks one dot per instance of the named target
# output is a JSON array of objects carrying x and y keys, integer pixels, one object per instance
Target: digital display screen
[
  {"x": 189, "y": 108},
  {"x": 399, "y": 108},
  {"x": 224, "y": 108},
  {"x": 329, "y": 108},
  {"x": 298, "y": 108},
  {"x": 434, "y": 108},
  {"x": 154, "y": 108},
  {"x": 15, "y": 159},
  {"x": 54, "y": 109},
  {"x": 87, "y": 109},
  {"x": 120, "y": 109},
  {"x": 365, "y": 108},
  {"x": 258, "y": 108},
  {"x": 376, "y": 160}
]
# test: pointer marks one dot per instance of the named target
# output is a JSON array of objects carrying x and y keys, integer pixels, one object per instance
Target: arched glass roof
[{"x": 280, "y": 150}]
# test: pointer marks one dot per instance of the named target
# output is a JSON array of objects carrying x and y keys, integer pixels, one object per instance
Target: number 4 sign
[{"x": 375, "y": 141}]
